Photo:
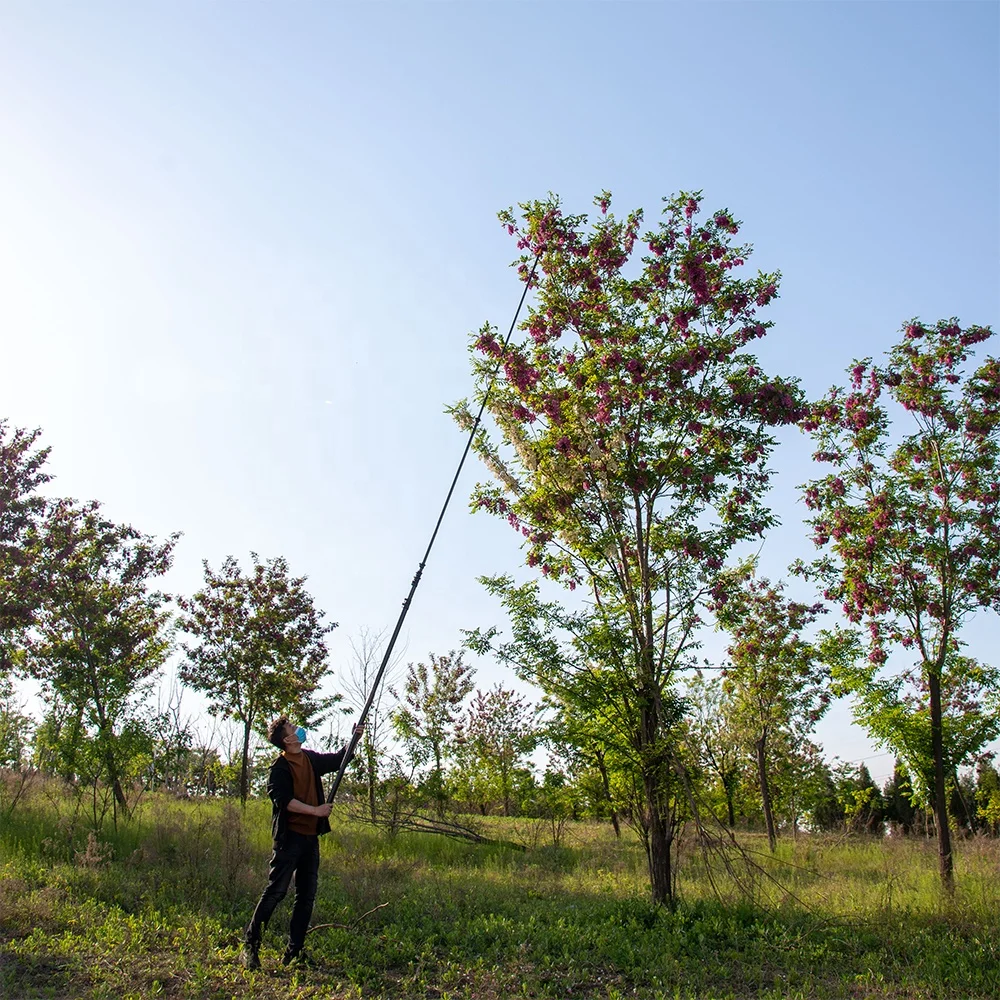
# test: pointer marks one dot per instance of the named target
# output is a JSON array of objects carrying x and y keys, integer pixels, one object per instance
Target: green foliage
[
  {"x": 827, "y": 811},
  {"x": 898, "y": 796},
  {"x": 717, "y": 739},
  {"x": 16, "y": 727},
  {"x": 896, "y": 712},
  {"x": 497, "y": 731},
  {"x": 777, "y": 679},
  {"x": 988, "y": 795},
  {"x": 798, "y": 778},
  {"x": 101, "y": 634},
  {"x": 557, "y": 799},
  {"x": 864, "y": 808},
  {"x": 58, "y": 740},
  {"x": 66, "y": 747}
]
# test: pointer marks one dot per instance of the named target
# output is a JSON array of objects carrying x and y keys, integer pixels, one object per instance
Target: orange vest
[{"x": 304, "y": 784}]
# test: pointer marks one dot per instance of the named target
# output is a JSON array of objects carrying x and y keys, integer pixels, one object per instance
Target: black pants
[{"x": 298, "y": 856}]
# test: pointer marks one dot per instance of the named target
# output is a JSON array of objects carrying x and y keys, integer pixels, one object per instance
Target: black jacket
[{"x": 281, "y": 790}]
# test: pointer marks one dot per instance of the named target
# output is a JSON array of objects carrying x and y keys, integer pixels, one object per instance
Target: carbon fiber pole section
[{"x": 355, "y": 734}]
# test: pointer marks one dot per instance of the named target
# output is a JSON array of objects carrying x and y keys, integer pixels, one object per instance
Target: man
[{"x": 299, "y": 814}]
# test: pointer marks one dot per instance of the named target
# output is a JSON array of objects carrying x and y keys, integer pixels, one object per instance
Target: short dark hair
[{"x": 276, "y": 732}]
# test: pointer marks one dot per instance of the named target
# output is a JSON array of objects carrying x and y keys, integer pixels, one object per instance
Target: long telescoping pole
[{"x": 356, "y": 732}]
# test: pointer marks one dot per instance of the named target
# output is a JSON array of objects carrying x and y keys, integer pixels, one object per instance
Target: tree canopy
[
  {"x": 634, "y": 432},
  {"x": 909, "y": 520},
  {"x": 259, "y": 647}
]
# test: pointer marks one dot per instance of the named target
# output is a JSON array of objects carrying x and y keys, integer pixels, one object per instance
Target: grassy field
[{"x": 156, "y": 910}]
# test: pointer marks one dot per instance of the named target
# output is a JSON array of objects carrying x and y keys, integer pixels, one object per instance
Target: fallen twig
[
  {"x": 422, "y": 824},
  {"x": 416, "y": 822},
  {"x": 352, "y": 924}
]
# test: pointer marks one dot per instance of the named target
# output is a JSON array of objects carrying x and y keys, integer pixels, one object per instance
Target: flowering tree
[
  {"x": 427, "y": 717},
  {"x": 259, "y": 648},
  {"x": 911, "y": 526},
  {"x": 101, "y": 633},
  {"x": 494, "y": 735},
  {"x": 21, "y": 509},
  {"x": 776, "y": 677},
  {"x": 634, "y": 434}
]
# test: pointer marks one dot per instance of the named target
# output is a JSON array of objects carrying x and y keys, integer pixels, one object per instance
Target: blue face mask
[{"x": 300, "y": 734}]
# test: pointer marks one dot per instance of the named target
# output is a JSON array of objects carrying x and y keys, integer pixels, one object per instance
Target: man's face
[{"x": 291, "y": 740}]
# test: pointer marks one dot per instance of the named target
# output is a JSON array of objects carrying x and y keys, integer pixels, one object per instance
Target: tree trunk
[
  {"x": 660, "y": 822},
  {"x": 103, "y": 727},
  {"x": 654, "y": 779},
  {"x": 599, "y": 755},
  {"x": 111, "y": 765},
  {"x": 372, "y": 777},
  {"x": 945, "y": 860},
  {"x": 439, "y": 795},
  {"x": 245, "y": 765},
  {"x": 727, "y": 786},
  {"x": 661, "y": 835},
  {"x": 765, "y": 792},
  {"x": 116, "y": 787},
  {"x": 652, "y": 731}
]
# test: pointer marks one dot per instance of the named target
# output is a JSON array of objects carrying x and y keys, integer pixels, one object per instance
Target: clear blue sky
[{"x": 242, "y": 245}]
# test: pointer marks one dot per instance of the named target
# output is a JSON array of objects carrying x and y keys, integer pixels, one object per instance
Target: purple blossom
[
  {"x": 553, "y": 410},
  {"x": 767, "y": 293}
]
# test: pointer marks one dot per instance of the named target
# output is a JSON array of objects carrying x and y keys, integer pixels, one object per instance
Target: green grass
[{"x": 156, "y": 909}]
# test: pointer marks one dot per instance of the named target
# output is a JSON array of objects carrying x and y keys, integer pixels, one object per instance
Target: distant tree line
[
  {"x": 463, "y": 750},
  {"x": 83, "y": 616}
]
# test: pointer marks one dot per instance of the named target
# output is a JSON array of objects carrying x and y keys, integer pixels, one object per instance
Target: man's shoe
[
  {"x": 250, "y": 955},
  {"x": 296, "y": 956}
]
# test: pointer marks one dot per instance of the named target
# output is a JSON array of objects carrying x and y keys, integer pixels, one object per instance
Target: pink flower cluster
[
  {"x": 693, "y": 273},
  {"x": 520, "y": 373},
  {"x": 553, "y": 409},
  {"x": 487, "y": 344},
  {"x": 767, "y": 293}
]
